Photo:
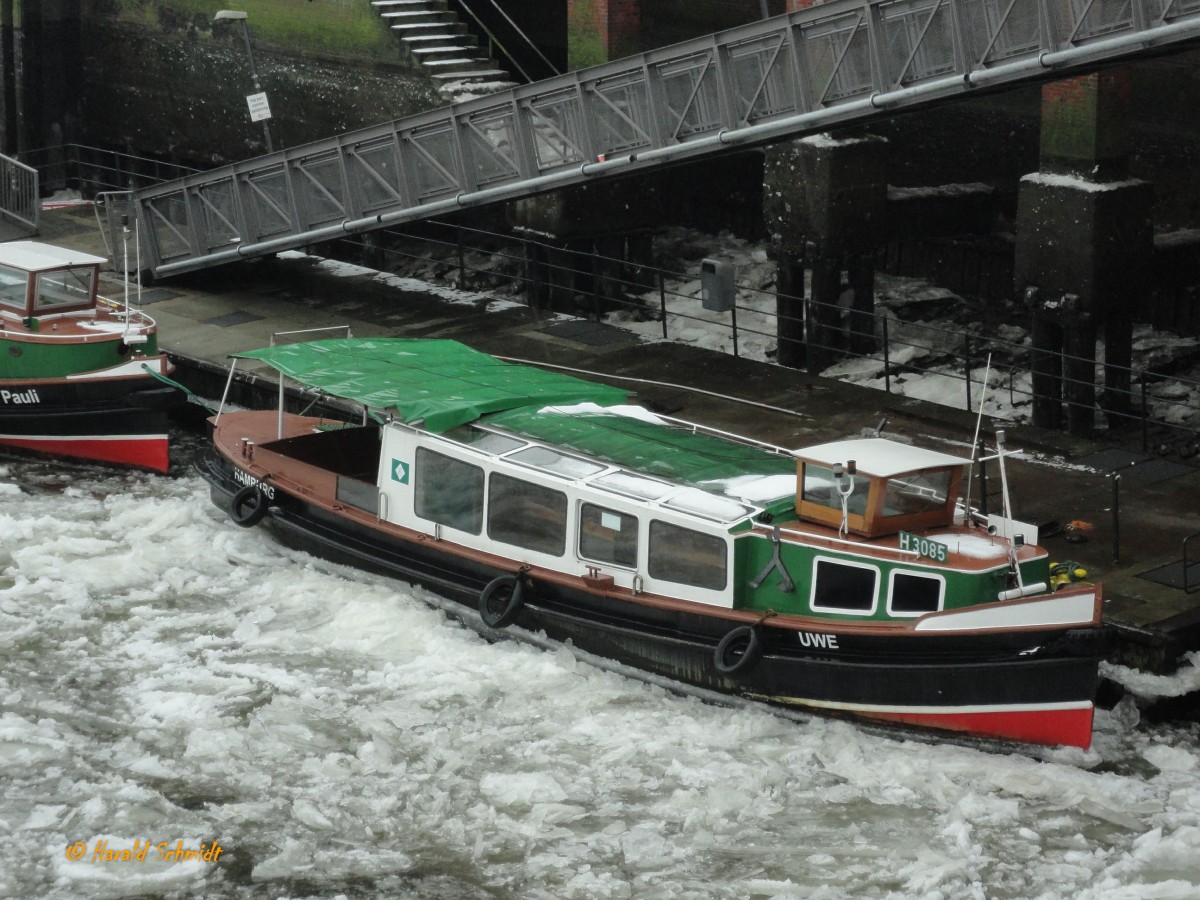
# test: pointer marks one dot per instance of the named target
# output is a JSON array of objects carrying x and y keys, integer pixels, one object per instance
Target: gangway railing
[
  {"x": 841, "y": 62},
  {"x": 19, "y": 200}
]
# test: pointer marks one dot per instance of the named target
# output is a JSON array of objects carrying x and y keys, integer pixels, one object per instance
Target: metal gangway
[{"x": 842, "y": 62}]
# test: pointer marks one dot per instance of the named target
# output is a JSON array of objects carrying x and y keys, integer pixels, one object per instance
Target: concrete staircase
[{"x": 436, "y": 38}]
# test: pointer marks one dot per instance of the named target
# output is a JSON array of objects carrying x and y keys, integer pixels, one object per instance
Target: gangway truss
[{"x": 841, "y": 62}]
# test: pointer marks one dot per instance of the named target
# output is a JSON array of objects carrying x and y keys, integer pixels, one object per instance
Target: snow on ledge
[{"x": 1080, "y": 184}]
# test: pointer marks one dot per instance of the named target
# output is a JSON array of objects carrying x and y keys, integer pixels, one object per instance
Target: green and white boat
[{"x": 843, "y": 578}]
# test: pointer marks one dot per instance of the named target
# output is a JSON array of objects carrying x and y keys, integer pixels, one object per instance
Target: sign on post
[{"x": 259, "y": 107}]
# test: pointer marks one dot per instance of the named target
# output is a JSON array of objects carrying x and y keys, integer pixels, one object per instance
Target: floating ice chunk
[
  {"x": 521, "y": 788},
  {"x": 1170, "y": 759}
]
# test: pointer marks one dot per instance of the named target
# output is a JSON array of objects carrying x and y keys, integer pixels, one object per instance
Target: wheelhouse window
[
  {"x": 12, "y": 288},
  {"x": 844, "y": 588},
  {"x": 608, "y": 536},
  {"x": 914, "y": 594},
  {"x": 449, "y": 491},
  {"x": 527, "y": 515},
  {"x": 688, "y": 557},
  {"x": 63, "y": 289},
  {"x": 922, "y": 492},
  {"x": 821, "y": 488}
]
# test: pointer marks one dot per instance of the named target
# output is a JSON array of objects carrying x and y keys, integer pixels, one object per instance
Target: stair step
[
  {"x": 424, "y": 26},
  {"x": 416, "y": 14},
  {"x": 460, "y": 61},
  {"x": 424, "y": 51},
  {"x": 429, "y": 38},
  {"x": 467, "y": 76}
]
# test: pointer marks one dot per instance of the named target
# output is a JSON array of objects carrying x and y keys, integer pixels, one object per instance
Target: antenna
[
  {"x": 125, "y": 264},
  {"x": 975, "y": 441}
]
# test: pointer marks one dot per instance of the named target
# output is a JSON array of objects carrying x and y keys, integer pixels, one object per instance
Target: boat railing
[
  {"x": 307, "y": 331},
  {"x": 118, "y": 309},
  {"x": 858, "y": 546},
  {"x": 697, "y": 428}
]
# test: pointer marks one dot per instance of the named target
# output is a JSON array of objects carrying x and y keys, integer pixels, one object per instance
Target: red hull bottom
[
  {"x": 143, "y": 451},
  {"x": 1071, "y": 727}
]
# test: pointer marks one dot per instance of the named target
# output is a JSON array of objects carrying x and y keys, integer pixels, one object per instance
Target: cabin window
[
  {"x": 556, "y": 463},
  {"x": 632, "y": 485},
  {"x": 484, "y": 441},
  {"x": 687, "y": 557},
  {"x": 449, "y": 491},
  {"x": 710, "y": 506},
  {"x": 12, "y": 288},
  {"x": 527, "y": 515},
  {"x": 608, "y": 536},
  {"x": 62, "y": 289},
  {"x": 844, "y": 587},
  {"x": 910, "y": 494},
  {"x": 912, "y": 594},
  {"x": 821, "y": 488}
]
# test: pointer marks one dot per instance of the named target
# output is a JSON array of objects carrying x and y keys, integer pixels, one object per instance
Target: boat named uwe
[
  {"x": 78, "y": 371},
  {"x": 843, "y": 578}
]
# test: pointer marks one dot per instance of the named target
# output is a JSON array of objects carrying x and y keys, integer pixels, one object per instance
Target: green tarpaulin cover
[{"x": 441, "y": 384}]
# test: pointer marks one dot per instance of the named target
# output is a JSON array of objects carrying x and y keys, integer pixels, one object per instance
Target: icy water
[{"x": 172, "y": 683}]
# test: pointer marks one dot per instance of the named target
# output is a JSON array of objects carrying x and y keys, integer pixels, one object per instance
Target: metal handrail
[
  {"x": 19, "y": 200},
  {"x": 517, "y": 28}
]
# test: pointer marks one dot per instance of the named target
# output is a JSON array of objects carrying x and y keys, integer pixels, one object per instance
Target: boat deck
[{"x": 203, "y": 318}]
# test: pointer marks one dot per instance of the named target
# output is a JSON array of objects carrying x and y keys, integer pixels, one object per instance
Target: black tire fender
[
  {"x": 501, "y": 600},
  {"x": 248, "y": 507},
  {"x": 739, "y": 651}
]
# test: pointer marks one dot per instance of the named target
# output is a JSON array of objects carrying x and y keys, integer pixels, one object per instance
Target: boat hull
[
  {"x": 120, "y": 420},
  {"x": 1032, "y": 686}
]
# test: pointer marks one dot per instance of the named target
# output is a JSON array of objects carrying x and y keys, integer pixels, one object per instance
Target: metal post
[
  {"x": 983, "y": 485},
  {"x": 967, "y": 366},
  {"x": 1116, "y": 518},
  {"x": 887, "y": 361},
  {"x": 230, "y": 15},
  {"x": 662, "y": 300},
  {"x": 1145, "y": 416},
  {"x": 257, "y": 86},
  {"x": 733, "y": 313},
  {"x": 462, "y": 268}
]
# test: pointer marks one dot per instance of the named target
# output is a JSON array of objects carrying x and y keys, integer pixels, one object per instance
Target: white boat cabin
[
  {"x": 41, "y": 280},
  {"x": 500, "y": 493}
]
